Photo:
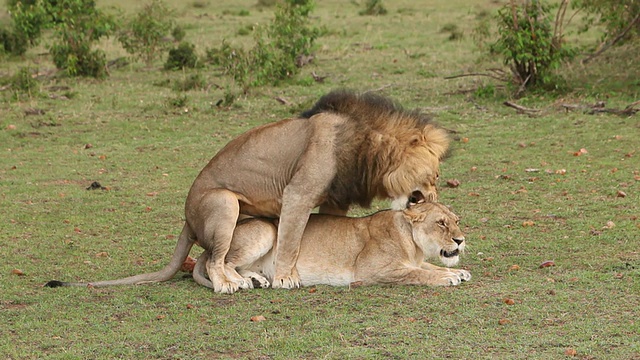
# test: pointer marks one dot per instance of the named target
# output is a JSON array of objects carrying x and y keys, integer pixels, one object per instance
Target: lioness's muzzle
[{"x": 449, "y": 254}]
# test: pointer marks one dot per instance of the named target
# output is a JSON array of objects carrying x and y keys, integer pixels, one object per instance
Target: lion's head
[
  {"x": 436, "y": 231},
  {"x": 385, "y": 150}
]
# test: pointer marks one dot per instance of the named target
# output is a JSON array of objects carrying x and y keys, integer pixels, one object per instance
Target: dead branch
[
  {"x": 474, "y": 74},
  {"x": 599, "y": 108},
  {"x": 521, "y": 109},
  {"x": 380, "y": 88},
  {"x": 620, "y": 36},
  {"x": 282, "y": 100}
]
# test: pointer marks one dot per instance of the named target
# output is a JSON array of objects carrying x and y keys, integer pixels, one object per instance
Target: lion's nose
[{"x": 458, "y": 240}]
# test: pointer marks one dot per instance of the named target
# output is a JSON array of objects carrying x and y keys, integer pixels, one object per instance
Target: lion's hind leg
[{"x": 215, "y": 218}]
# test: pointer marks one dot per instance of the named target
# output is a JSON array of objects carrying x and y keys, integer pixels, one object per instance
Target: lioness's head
[{"x": 436, "y": 231}]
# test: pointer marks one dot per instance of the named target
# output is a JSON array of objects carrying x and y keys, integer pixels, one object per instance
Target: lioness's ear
[{"x": 413, "y": 216}]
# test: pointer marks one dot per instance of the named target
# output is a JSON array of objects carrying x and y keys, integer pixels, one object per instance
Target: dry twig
[{"x": 521, "y": 109}]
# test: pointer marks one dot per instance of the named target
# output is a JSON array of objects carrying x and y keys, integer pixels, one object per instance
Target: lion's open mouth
[
  {"x": 449, "y": 254},
  {"x": 416, "y": 197}
]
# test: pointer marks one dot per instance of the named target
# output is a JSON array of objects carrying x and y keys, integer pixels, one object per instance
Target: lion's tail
[
  {"x": 185, "y": 242},
  {"x": 200, "y": 270}
]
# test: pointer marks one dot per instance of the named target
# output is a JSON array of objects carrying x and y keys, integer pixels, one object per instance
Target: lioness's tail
[{"x": 185, "y": 242}]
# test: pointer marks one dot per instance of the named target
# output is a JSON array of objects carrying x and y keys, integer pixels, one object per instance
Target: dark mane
[
  {"x": 373, "y": 142},
  {"x": 364, "y": 107}
]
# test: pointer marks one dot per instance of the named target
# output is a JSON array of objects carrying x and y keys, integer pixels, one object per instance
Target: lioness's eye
[{"x": 442, "y": 223}]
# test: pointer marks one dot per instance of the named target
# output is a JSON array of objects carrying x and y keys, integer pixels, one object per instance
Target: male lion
[
  {"x": 348, "y": 149},
  {"x": 388, "y": 247}
]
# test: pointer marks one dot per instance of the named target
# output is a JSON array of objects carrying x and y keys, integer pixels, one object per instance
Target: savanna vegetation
[{"x": 109, "y": 110}]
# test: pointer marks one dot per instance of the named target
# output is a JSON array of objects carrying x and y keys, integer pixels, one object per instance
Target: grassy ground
[{"x": 525, "y": 198}]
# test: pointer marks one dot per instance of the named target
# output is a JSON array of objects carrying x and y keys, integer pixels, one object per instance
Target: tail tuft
[{"x": 54, "y": 284}]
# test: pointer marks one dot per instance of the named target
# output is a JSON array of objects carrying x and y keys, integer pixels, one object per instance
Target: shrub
[
  {"x": 277, "y": 48},
  {"x": 193, "y": 82},
  {"x": 29, "y": 19},
  {"x": 144, "y": 35},
  {"x": 23, "y": 83},
  {"x": 528, "y": 43},
  {"x": 619, "y": 17},
  {"x": 78, "y": 25},
  {"x": 374, "y": 7},
  {"x": 183, "y": 56}
]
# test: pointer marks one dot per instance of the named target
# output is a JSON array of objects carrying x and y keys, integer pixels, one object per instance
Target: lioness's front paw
[
  {"x": 259, "y": 282},
  {"x": 463, "y": 274},
  {"x": 286, "y": 282},
  {"x": 244, "y": 283}
]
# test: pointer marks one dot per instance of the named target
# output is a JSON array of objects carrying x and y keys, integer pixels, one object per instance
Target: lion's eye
[{"x": 442, "y": 223}]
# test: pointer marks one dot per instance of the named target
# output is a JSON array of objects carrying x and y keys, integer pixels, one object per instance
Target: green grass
[{"x": 147, "y": 151}]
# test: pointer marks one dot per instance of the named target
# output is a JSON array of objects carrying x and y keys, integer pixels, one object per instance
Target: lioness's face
[{"x": 436, "y": 231}]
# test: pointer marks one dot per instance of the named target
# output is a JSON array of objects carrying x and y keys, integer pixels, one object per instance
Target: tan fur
[
  {"x": 348, "y": 149},
  {"x": 388, "y": 247}
]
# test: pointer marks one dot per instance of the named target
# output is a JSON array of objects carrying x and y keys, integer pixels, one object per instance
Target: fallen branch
[
  {"x": 599, "y": 107},
  {"x": 475, "y": 74},
  {"x": 282, "y": 100},
  {"x": 521, "y": 109}
]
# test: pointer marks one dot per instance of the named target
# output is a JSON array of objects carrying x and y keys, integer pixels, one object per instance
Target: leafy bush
[
  {"x": 78, "y": 25},
  {"x": 278, "y": 47},
  {"x": 193, "y": 82},
  {"x": 23, "y": 83},
  {"x": 29, "y": 19},
  {"x": 619, "y": 17},
  {"x": 183, "y": 56},
  {"x": 144, "y": 35},
  {"x": 528, "y": 43},
  {"x": 374, "y": 7}
]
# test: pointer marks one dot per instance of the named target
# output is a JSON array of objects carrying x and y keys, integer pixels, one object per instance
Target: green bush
[
  {"x": 23, "y": 83},
  {"x": 528, "y": 43},
  {"x": 374, "y": 7},
  {"x": 277, "y": 48},
  {"x": 183, "y": 56},
  {"x": 78, "y": 26},
  {"x": 29, "y": 19},
  {"x": 615, "y": 15},
  {"x": 193, "y": 82},
  {"x": 144, "y": 35}
]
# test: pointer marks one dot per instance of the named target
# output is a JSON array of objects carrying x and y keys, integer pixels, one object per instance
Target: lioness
[
  {"x": 388, "y": 247},
  {"x": 348, "y": 149}
]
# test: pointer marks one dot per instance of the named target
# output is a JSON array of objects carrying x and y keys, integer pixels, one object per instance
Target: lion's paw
[
  {"x": 286, "y": 282},
  {"x": 225, "y": 287}
]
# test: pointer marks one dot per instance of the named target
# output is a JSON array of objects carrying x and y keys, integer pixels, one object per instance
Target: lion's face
[
  {"x": 436, "y": 231},
  {"x": 423, "y": 190},
  {"x": 414, "y": 180}
]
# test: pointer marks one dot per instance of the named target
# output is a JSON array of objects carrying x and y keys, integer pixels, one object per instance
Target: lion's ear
[
  {"x": 413, "y": 216},
  {"x": 416, "y": 140}
]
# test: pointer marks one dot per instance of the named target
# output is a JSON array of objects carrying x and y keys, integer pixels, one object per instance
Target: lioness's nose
[{"x": 458, "y": 240}]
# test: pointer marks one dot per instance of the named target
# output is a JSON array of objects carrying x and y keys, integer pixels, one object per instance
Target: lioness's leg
[
  {"x": 252, "y": 240},
  {"x": 463, "y": 274},
  {"x": 216, "y": 218}
]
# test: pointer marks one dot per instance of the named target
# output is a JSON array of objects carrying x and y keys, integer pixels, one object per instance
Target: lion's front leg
[{"x": 463, "y": 274}]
